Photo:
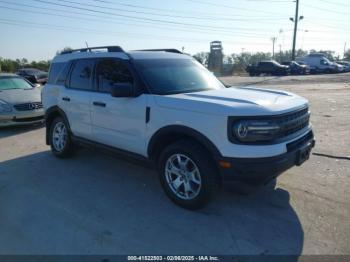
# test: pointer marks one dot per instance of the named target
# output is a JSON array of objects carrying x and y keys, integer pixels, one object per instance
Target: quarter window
[
  {"x": 58, "y": 73},
  {"x": 110, "y": 72},
  {"x": 81, "y": 74}
]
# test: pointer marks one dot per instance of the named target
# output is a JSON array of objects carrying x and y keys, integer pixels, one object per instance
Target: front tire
[
  {"x": 187, "y": 174},
  {"x": 60, "y": 141}
]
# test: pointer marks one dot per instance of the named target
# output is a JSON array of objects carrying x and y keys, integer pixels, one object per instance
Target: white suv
[{"x": 164, "y": 107}]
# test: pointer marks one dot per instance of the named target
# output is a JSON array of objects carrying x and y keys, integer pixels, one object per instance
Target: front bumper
[
  {"x": 259, "y": 171},
  {"x": 23, "y": 118}
]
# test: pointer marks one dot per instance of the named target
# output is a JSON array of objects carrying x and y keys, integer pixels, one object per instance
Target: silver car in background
[{"x": 20, "y": 101}]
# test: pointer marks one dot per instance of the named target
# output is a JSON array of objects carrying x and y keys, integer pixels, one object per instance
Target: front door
[{"x": 117, "y": 121}]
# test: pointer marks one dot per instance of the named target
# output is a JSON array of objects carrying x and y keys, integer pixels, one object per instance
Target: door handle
[
  {"x": 101, "y": 104},
  {"x": 66, "y": 99}
]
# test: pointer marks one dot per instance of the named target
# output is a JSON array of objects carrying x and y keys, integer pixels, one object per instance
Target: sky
[{"x": 36, "y": 29}]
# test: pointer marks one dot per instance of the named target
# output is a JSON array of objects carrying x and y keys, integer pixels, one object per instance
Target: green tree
[
  {"x": 67, "y": 48},
  {"x": 11, "y": 66},
  {"x": 202, "y": 57},
  {"x": 347, "y": 55},
  {"x": 8, "y": 65}
]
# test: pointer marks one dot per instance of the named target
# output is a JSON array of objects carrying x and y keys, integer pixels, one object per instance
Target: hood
[
  {"x": 234, "y": 101},
  {"x": 20, "y": 96}
]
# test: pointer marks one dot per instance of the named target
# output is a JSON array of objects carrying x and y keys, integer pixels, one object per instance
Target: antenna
[{"x": 86, "y": 43}]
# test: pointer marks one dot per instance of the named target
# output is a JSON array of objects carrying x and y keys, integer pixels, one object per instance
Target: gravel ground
[{"x": 95, "y": 203}]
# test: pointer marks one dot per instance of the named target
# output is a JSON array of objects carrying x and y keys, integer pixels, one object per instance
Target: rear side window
[
  {"x": 110, "y": 72},
  {"x": 62, "y": 76},
  {"x": 81, "y": 74},
  {"x": 57, "y": 72}
]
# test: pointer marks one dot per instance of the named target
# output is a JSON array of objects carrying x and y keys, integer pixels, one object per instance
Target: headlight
[
  {"x": 5, "y": 107},
  {"x": 254, "y": 130}
]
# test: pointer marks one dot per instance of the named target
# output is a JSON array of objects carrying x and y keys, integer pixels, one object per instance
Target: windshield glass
[
  {"x": 32, "y": 71},
  {"x": 173, "y": 76},
  {"x": 14, "y": 83}
]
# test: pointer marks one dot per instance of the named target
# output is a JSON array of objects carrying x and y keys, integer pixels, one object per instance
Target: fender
[
  {"x": 50, "y": 114},
  {"x": 167, "y": 132}
]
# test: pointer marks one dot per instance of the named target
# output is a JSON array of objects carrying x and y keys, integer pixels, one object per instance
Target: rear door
[
  {"x": 117, "y": 121},
  {"x": 76, "y": 97}
]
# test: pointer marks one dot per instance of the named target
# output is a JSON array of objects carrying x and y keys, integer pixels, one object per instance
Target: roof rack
[
  {"x": 170, "y": 50},
  {"x": 90, "y": 49}
]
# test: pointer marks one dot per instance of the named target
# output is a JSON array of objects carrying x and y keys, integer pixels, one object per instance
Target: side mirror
[
  {"x": 122, "y": 90},
  {"x": 37, "y": 85}
]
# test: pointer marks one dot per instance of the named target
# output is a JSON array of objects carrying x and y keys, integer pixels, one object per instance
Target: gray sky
[{"x": 36, "y": 29}]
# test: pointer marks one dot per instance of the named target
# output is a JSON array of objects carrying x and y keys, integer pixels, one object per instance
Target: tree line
[
  {"x": 11, "y": 66},
  {"x": 238, "y": 61}
]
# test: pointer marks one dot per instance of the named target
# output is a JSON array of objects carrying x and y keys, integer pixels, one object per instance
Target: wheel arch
[
  {"x": 169, "y": 134},
  {"x": 50, "y": 115}
]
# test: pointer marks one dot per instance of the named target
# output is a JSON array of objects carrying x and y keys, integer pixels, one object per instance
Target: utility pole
[
  {"x": 273, "y": 39},
  {"x": 296, "y": 19},
  {"x": 343, "y": 53},
  {"x": 281, "y": 53}
]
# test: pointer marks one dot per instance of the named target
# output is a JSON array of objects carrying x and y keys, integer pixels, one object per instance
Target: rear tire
[
  {"x": 187, "y": 174},
  {"x": 60, "y": 140}
]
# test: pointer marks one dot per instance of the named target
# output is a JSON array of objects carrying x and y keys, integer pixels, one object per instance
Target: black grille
[
  {"x": 28, "y": 106},
  {"x": 293, "y": 122}
]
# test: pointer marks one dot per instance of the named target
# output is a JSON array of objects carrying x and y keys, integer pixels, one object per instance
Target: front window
[
  {"x": 173, "y": 76},
  {"x": 111, "y": 72},
  {"x": 8, "y": 83}
]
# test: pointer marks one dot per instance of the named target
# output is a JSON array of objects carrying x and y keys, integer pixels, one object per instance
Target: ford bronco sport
[{"x": 164, "y": 107}]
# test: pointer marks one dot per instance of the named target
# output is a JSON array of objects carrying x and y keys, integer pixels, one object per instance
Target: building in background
[{"x": 215, "y": 63}]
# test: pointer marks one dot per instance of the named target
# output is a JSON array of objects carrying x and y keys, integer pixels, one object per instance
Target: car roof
[
  {"x": 140, "y": 55},
  {"x": 137, "y": 55}
]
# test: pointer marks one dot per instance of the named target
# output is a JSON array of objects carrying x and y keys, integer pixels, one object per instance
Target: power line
[
  {"x": 165, "y": 15},
  {"x": 100, "y": 32},
  {"x": 327, "y": 10},
  {"x": 214, "y": 29},
  {"x": 129, "y": 24},
  {"x": 35, "y": 25},
  {"x": 167, "y": 10},
  {"x": 171, "y": 16},
  {"x": 140, "y": 18},
  {"x": 231, "y": 7},
  {"x": 334, "y": 3},
  {"x": 270, "y": 1}
]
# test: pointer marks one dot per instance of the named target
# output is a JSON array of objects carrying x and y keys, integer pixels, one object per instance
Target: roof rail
[
  {"x": 90, "y": 49},
  {"x": 170, "y": 50}
]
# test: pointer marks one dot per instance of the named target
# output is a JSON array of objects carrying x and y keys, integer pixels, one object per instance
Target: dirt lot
[{"x": 95, "y": 203}]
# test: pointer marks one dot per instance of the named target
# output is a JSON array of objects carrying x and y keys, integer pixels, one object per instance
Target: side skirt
[{"x": 120, "y": 153}]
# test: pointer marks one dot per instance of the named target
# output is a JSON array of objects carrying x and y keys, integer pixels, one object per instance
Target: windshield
[
  {"x": 14, "y": 83},
  {"x": 173, "y": 76},
  {"x": 32, "y": 71}
]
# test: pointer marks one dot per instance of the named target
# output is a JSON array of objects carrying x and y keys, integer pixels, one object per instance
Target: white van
[{"x": 320, "y": 64}]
